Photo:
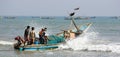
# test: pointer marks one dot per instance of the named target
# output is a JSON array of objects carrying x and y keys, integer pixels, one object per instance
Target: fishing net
[{"x": 53, "y": 39}]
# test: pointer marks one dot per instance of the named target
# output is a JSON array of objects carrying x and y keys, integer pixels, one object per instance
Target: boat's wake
[
  {"x": 7, "y": 42},
  {"x": 85, "y": 43}
]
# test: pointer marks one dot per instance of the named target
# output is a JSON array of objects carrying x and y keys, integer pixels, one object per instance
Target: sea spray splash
[
  {"x": 78, "y": 42},
  {"x": 85, "y": 43}
]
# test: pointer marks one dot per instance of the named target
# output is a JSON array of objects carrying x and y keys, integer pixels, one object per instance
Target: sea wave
[
  {"x": 7, "y": 42},
  {"x": 85, "y": 43},
  {"x": 100, "y": 47}
]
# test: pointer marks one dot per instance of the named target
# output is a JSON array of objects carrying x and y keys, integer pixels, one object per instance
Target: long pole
[{"x": 75, "y": 24}]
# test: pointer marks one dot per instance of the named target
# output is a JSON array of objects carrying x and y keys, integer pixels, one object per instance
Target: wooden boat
[
  {"x": 76, "y": 18},
  {"x": 53, "y": 40}
]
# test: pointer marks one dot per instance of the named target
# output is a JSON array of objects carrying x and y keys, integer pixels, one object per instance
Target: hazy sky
[{"x": 59, "y": 7}]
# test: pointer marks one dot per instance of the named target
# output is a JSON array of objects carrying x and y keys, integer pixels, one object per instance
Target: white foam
[
  {"x": 7, "y": 42},
  {"x": 85, "y": 43}
]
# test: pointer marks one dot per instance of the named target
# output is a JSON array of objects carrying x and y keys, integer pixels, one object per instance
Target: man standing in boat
[
  {"x": 32, "y": 35},
  {"x": 42, "y": 35},
  {"x": 26, "y": 33}
]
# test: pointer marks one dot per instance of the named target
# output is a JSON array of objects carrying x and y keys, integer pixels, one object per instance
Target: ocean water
[{"x": 101, "y": 40}]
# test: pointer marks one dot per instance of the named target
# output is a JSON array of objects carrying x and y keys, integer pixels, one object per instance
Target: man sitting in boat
[
  {"x": 66, "y": 34},
  {"x": 71, "y": 35},
  {"x": 20, "y": 41}
]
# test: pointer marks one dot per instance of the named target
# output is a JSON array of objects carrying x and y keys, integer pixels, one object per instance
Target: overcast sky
[{"x": 59, "y": 7}]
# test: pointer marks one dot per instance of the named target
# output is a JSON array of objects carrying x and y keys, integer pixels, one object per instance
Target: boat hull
[{"x": 37, "y": 47}]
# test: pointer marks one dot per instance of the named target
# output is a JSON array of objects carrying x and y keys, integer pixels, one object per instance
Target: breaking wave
[
  {"x": 89, "y": 43},
  {"x": 7, "y": 42}
]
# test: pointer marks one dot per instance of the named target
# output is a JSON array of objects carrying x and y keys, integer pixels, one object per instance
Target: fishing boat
[
  {"x": 54, "y": 40},
  {"x": 77, "y": 18},
  {"x": 44, "y": 17},
  {"x": 9, "y": 17}
]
